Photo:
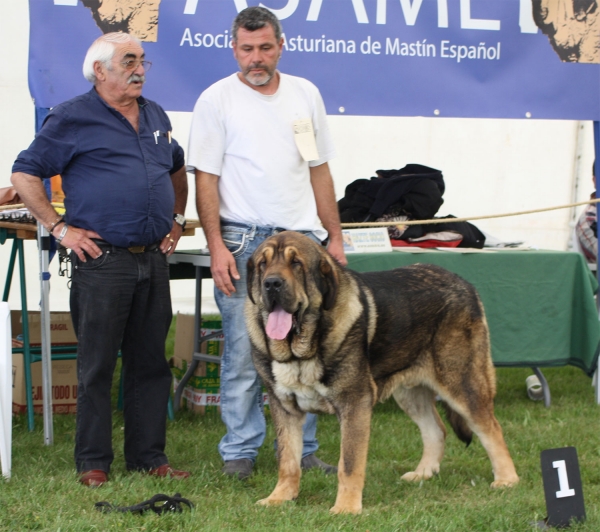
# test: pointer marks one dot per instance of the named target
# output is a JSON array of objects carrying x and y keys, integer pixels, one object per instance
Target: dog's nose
[{"x": 272, "y": 284}]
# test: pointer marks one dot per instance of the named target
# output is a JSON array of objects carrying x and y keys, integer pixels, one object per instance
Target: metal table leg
[
  {"x": 197, "y": 357},
  {"x": 545, "y": 386},
  {"x": 18, "y": 250}
]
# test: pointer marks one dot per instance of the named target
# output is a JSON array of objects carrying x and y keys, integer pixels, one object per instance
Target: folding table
[{"x": 540, "y": 305}]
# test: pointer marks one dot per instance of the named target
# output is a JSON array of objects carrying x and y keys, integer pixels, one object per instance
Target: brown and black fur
[{"x": 413, "y": 332}]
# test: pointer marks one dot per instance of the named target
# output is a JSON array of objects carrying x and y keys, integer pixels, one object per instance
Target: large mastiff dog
[{"x": 327, "y": 339}]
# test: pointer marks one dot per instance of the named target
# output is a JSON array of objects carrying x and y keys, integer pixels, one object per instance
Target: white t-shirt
[{"x": 247, "y": 138}]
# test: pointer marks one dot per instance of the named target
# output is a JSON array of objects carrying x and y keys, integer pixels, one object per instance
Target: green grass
[{"x": 43, "y": 493}]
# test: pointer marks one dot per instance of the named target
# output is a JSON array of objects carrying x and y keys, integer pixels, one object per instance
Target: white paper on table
[{"x": 414, "y": 249}]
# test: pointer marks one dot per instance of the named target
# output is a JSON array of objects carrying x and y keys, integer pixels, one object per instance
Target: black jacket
[{"x": 414, "y": 190}]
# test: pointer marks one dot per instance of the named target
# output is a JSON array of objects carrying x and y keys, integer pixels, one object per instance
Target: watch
[{"x": 180, "y": 219}]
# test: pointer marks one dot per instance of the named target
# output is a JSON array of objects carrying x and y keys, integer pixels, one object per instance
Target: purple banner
[{"x": 447, "y": 58}]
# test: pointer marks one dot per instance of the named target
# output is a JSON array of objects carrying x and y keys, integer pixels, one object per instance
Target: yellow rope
[
  {"x": 452, "y": 220},
  {"x": 408, "y": 222}
]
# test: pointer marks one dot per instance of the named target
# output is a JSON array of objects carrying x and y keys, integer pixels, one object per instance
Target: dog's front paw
[
  {"x": 346, "y": 509},
  {"x": 348, "y": 501},
  {"x": 278, "y": 497},
  {"x": 269, "y": 501},
  {"x": 505, "y": 482},
  {"x": 417, "y": 476}
]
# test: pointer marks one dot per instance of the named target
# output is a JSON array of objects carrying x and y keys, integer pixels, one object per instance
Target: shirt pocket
[{"x": 164, "y": 153}]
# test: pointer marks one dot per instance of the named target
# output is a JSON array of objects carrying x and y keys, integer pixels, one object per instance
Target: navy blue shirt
[{"x": 116, "y": 181}]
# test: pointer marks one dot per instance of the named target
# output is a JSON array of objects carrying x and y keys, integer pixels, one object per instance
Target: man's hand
[
  {"x": 327, "y": 209},
  {"x": 80, "y": 241},
  {"x": 222, "y": 263},
  {"x": 223, "y": 269},
  {"x": 336, "y": 250},
  {"x": 169, "y": 242}
]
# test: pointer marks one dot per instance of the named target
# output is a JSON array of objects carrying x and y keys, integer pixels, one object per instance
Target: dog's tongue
[{"x": 279, "y": 323}]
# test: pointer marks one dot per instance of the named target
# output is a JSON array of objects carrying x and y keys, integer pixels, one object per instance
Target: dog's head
[{"x": 289, "y": 278}]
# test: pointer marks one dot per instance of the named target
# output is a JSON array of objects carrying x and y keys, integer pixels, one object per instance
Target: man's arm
[
  {"x": 31, "y": 190},
  {"x": 180, "y": 187},
  {"x": 222, "y": 263},
  {"x": 327, "y": 209}
]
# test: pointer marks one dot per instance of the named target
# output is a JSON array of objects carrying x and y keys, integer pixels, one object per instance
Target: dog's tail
[{"x": 458, "y": 424}]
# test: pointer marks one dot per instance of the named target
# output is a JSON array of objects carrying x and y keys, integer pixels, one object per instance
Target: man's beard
[{"x": 260, "y": 80}]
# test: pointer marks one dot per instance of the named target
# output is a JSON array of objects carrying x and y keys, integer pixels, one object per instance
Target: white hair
[{"x": 103, "y": 50}]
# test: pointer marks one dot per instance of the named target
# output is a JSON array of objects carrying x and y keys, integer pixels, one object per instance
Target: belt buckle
[{"x": 137, "y": 249}]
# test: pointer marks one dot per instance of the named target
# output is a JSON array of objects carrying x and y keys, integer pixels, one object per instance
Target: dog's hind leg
[
  {"x": 289, "y": 454},
  {"x": 489, "y": 432},
  {"x": 472, "y": 398},
  {"x": 419, "y": 404}
]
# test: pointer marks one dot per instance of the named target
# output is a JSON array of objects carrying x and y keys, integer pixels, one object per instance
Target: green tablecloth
[{"x": 539, "y": 304}]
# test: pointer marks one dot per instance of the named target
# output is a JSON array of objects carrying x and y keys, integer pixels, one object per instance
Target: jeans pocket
[
  {"x": 90, "y": 263},
  {"x": 161, "y": 259},
  {"x": 235, "y": 241}
]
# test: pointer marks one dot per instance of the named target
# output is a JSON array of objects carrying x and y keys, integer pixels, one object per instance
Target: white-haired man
[{"x": 125, "y": 193}]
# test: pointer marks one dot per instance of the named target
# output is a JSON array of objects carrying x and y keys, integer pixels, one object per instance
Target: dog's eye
[{"x": 296, "y": 262}]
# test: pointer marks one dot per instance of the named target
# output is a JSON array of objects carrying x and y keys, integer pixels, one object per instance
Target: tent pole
[
  {"x": 44, "y": 257},
  {"x": 44, "y": 252},
  {"x": 596, "y": 173}
]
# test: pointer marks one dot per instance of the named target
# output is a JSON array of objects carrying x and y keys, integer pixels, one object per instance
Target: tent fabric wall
[{"x": 491, "y": 166}]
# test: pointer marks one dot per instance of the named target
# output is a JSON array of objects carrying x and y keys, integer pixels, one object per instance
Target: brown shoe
[
  {"x": 166, "y": 471},
  {"x": 93, "y": 478}
]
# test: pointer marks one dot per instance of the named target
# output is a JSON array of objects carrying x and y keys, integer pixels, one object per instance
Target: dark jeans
[{"x": 121, "y": 301}]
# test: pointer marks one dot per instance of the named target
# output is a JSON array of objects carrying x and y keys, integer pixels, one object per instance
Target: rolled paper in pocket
[{"x": 304, "y": 137}]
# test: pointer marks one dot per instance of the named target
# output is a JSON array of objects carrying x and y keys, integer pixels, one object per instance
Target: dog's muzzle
[
  {"x": 273, "y": 291},
  {"x": 272, "y": 284}
]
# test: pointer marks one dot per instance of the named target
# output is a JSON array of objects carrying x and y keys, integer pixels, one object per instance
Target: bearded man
[{"x": 255, "y": 176}]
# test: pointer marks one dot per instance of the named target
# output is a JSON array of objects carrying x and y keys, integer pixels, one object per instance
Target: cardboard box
[
  {"x": 64, "y": 386},
  {"x": 61, "y": 327},
  {"x": 184, "y": 337},
  {"x": 201, "y": 394}
]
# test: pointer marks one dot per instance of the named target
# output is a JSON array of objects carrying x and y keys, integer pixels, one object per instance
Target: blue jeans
[
  {"x": 121, "y": 301},
  {"x": 241, "y": 394}
]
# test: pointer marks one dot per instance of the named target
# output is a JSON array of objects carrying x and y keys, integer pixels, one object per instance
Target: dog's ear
[
  {"x": 250, "y": 269},
  {"x": 330, "y": 285}
]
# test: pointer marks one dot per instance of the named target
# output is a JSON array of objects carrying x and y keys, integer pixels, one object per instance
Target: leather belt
[
  {"x": 142, "y": 249},
  {"x": 132, "y": 249}
]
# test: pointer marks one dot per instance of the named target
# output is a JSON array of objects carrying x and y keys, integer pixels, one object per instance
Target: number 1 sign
[{"x": 562, "y": 486}]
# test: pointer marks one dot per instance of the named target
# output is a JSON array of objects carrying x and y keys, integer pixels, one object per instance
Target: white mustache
[{"x": 135, "y": 77}]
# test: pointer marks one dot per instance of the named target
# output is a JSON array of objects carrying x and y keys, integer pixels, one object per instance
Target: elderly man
[
  {"x": 252, "y": 180},
  {"x": 125, "y": 193}
]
